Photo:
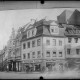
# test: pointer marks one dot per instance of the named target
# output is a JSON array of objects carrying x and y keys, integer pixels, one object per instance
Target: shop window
[
  {"x": 33, "y": 43},
  {"x": 38, "y": 42},
  {"x": 48, "y": 54},
  {"x": 69, "y": 39},
  {"x": 54, "y": 42},
  {"x": 60, "y": 54},
  {"x": 24, "y": 56},
  {"x": 24, "y": 46},
  {"x": 39, "y": 54},
  {"x": 28, "y": 55},
  {"x": 68, "y": 51},
  {"x": 77, "y": 51},
  {"x": 76, "y": 40},
  {"x": 33, "y": 54},
  {"x": 48, "y": 42},
  {"x": 60, "y": 43},
  {"x": 28, "y": 44},
  {"x": 54, "y": 54}
]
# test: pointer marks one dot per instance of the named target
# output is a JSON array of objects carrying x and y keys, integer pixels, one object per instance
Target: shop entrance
[
  {"x": 33, "y": 67},
  {"x": 50, "y": 66}
]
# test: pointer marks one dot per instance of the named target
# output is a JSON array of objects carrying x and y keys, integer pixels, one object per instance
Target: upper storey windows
[
  {"x": 54, "y": 29},
  {"x": 31, "y": 32}
]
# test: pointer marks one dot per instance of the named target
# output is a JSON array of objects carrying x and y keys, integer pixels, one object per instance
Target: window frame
[
  {"x": 78, "y": 51},
  {"x": 28, "y": 55},
  {"x": 69, "y": 50},
  {"x": 33, "y": 45},
  {"x": 28, "y": 44},
  {"x": 76, "y": 40},
  {"x": 33, "y": 56},
  {"x": 38, "y": 42},
  {"x": 24, "y": 47},
  {"x": 38, "y": 54},
  {"x": 69, "y": 39},
  {"x": 48, "y": 54},
  {"x": 47, "y": 43},
  {"x": 60, "y": 53},
  {"x": 60, "y": 42},
  {"x": 54, "y": 42},
  {"x": 53, "y": 53},
  {"x": 24, "y": 55},
  {"x": 33, "y": 32}
]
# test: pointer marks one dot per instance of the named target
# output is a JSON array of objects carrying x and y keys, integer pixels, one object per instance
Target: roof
[
  {"x": 64, "y": 16},
  {"x": 43, "y": 28},
  {"x": 75, "y": 18}
]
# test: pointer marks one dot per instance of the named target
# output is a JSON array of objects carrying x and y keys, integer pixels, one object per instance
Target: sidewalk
[{"x": 22, "y": 72}]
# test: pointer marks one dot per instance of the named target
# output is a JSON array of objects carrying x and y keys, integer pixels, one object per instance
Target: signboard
[{"x": 31, "y": 61}]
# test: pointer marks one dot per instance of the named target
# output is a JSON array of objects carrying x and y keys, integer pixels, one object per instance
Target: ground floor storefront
[
  {"x": 44, "y": 65},
  {"x": 73, "y": 63},
  {"x": 14, "y": 65}
]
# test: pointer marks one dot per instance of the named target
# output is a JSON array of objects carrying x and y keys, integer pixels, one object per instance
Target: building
[
  {"x": 11, "y": 51},
  {"x": 72, "y": 40},
  {"x": 43, "y": 46}
]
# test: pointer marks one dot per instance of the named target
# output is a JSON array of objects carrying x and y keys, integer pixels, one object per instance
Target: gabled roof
[
  {"x": 75, "y": 18},
  {"x": 64, "y": 16}
]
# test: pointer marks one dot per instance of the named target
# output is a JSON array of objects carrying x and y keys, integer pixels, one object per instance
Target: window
[
  {"x": 28, "y": 33},
  {"x": 68, "y": 51},
  {"x": 48, "y": 42},
  {"x": 52, "y": 30},
  {"x": 24, "y": 56},
  {"x": 24, "y": 46},
  {"x": 60, "y": 54},
  {"x": 69, "y": 40},
  {"x": 33, "y": 43},
  {"x": 54, "y": 42},
  {"x": 38, "y": 42},
  {"x": 32, "y": 32},
  {"x": 28, "y": 55},
  {"x": 39, "y": 54},
  {"x": 60, "y": 43},
  {"x": 28, "y": 44},
  {"x": 77, "y": 51},
  {"x": 54, "y": 54},
  {"x": 33, "y": 54},
  {"x": 48, "y": 54},
  {"x": 76, "y": 40}
]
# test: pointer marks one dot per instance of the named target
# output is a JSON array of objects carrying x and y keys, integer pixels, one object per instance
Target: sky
[{"x": 18, "y": 18}]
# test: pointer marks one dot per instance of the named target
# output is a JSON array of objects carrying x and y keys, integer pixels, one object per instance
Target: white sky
[{"x": 17, "y": 18}]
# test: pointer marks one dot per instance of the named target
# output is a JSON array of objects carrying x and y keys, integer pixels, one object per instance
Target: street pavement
[{"x": 37, "y": 75}]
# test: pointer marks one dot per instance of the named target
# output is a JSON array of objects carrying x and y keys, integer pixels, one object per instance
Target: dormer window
[
  {"x": 33, "y": 32},
  {"x": 28, "y": 33},
  {"x": 52, "y": 30}
]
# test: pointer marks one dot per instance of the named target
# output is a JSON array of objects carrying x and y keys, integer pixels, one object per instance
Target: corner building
[{"x": 42, "y": 47}]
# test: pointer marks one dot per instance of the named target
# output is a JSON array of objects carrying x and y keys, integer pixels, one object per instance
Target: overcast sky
[{"x": 17, "y": 18}]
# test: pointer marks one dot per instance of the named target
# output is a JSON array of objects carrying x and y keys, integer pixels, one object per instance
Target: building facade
[
  {"x": 72, "y": 40},
  {"x": 43, "y": 46}
]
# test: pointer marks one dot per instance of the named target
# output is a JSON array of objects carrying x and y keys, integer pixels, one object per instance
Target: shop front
[
  {"x": 33, "y": 66},
  {"x": 57, "y": 65},
  {"x": 50, "y": 66}
]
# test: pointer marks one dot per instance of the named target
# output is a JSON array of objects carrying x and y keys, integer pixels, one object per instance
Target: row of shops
[
  {"x": 42, "y": 65},
  {"x": 57, "y": 65}
]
